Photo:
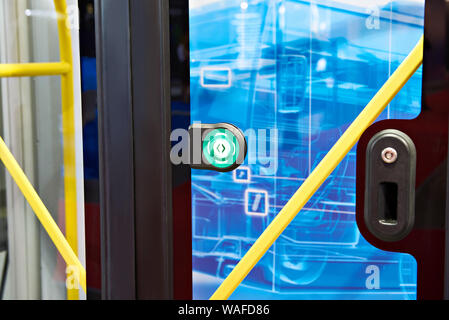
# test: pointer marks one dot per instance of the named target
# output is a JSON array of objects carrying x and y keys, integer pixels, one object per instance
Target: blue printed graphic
[
  {"x": 296, "y": 74},
  {"x": 256, "y": 202},
  {"x": 242, "y": 174}
]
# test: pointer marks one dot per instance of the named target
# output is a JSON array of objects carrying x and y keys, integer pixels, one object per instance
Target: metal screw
[{"x": 389, "y": 155}]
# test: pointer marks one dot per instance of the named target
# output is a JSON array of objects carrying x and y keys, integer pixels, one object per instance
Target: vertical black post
[
  {"x": 435, "y": 70},
  {"x": 153, "y": 190},
  {"x": 135, "y": 169},
  {"x": 446, "y": 252},
  {"x": 116, "y": 154}
]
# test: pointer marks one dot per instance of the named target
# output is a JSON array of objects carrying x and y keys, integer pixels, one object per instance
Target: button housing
[{"x": 209, "y": 145}]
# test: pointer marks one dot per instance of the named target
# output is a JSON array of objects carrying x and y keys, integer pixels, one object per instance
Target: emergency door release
[{"x": 219, "y": 147}]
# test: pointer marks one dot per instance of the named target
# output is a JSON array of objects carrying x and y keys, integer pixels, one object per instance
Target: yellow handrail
[
  {"x": 68, "y": 248},
  {"x": 34, "y": 69},
  {"x": 346, "y": 142},
  {"x": 41, "y": 211},
  {"x": 68, "y": 133}
]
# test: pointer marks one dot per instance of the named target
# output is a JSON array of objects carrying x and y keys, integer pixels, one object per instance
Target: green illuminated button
[{"x": 221, "y": 148}]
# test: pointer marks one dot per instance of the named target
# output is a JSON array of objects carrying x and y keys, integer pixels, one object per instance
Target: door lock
[{"x": 390, "y": 185}]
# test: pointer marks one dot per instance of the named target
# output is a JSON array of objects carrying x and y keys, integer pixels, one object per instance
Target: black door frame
[
  {"x": 134, "y": 131},
  {"x": 135, "y": 172}
]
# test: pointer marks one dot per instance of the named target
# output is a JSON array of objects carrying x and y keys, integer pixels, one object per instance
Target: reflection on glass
[
  {"x": 298, "y": 73},
  {"x": 4, "y": 259},
  {"x": 31, "y": 126}
]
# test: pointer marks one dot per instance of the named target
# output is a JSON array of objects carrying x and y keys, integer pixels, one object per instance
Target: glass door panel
[{"x": 32, "y": 128}]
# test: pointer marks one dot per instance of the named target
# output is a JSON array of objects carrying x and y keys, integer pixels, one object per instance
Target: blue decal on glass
[{"x": 293, "y": 75}]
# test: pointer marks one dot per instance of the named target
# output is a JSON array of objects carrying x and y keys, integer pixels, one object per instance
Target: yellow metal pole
[
  {"x": 68, "y": 132},
  {"x": 322, "y": 171},
  {"x": 34, "y": 69},
  {"x": 41, "y": 212}
]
